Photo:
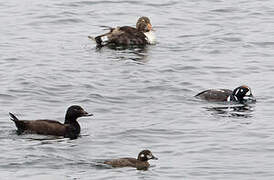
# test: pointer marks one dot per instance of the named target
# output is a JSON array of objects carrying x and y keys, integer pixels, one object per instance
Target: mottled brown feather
[{"x": 126, "y": 35}]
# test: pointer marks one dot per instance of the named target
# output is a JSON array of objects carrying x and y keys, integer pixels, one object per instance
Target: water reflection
[
  {"x": 244, "y": 110},
  {"x": 135, "y": 53}
]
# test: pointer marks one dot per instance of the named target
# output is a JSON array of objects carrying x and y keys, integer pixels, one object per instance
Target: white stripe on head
[
  {"x": 248, "y": 93},
  {"x": 228, "y": 98}
]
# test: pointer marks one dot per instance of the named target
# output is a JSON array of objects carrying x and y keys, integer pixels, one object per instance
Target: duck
[
  {"x": 141, "y": 163},
  {"x": 140, "y": 35},
  {"x": 70, "y": 129},
  {"x": 241, "y": 94}
]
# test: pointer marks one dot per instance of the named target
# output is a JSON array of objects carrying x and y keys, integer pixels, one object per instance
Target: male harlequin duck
[
  {"x": 241, "y": 94},
  {"x": 70, "y": 129},
  {"x": 128, "y": 36},
  {"x": 141, "y": 163}
]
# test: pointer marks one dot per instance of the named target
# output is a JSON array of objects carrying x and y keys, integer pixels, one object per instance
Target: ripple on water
[{"x": 141, "y": 98}]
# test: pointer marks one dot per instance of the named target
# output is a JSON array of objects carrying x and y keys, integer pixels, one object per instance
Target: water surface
[{"x": 140, "y": 99}]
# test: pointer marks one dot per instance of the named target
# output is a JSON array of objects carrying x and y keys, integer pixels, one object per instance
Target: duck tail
[
  {"x": 13, "y": 117},
  {"x": 102, "y": 40},
  {"x": 91, "y": 38},
  {"x": 19, "y": 124}
]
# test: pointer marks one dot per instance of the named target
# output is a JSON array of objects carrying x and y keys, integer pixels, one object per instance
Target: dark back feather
[{"x": 215, "y": 95}]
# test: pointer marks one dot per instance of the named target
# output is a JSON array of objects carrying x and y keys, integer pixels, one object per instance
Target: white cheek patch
[
  {"x": 149, "y": 156},
  {"x": 142, "y": 155},
  {"x": 248, "y": 93}
]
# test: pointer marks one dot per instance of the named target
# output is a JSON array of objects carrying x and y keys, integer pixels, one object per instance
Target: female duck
[
  {"x": 128, "y": 36},
  {"x": 141, "y": 163}
]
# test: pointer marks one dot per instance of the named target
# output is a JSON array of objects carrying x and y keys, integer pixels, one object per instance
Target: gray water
[{"x": 141, "y": 99}]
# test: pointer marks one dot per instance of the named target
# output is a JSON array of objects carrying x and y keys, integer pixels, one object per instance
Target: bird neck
[
  {"x": 70, "y": 119},
  {"x": 72, "y": 130}
]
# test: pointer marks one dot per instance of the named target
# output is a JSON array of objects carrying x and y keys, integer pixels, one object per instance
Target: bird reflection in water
[
  {"x": 244, "y": 110},
  {"x": 134, "y": 53}
]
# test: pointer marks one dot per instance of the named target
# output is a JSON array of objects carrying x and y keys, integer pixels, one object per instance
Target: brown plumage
[
  {"x": 141, "y": 163},
  {"x": 215, "y": 94},
  {"x": 70, "y": 128},
  {"x": 126, "y": 35}
]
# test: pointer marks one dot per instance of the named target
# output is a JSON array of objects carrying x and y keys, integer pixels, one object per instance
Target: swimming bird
[
  {"x": 141, "y": 163},
  {"x": 241, "y": 94},
  {"x": 142, "y": 35},
  {"x": 70, "y": 129}
]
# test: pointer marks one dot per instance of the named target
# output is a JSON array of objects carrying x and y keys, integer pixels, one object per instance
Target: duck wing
[
  {"x": 122, "y": 36},
  {"x": 46, "y": 127},
  {"x": 215, "y": 94},
  {"x": 122, "y": 162}
]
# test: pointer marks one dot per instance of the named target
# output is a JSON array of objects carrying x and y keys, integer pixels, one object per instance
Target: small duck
[
  {"x": 128, "y": 36},
  {"x": 70, "y": 129},
  {"x": 241, "y": 94},
  {"x": 141, "y": 163}
]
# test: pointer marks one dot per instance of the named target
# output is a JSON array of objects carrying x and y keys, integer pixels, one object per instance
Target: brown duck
[
  {"x": 70, "y": 129},
  {"x": 127, "y": 36},
  {"x": 141, "y": 163}
]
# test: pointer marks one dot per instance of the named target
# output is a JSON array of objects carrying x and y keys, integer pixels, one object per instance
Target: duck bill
[
  {"x": 149, "y": 27},
  {"x": 153, "y": 157},
  {"x": 86, "y": 114}
]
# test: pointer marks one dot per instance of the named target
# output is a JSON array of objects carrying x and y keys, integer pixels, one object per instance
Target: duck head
[
  {"x": 74, "y": 112},
  {"x": 143, "y": 24},
  {"x": 243, "y": 94},
  {"x": 146, "y": 155}
]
